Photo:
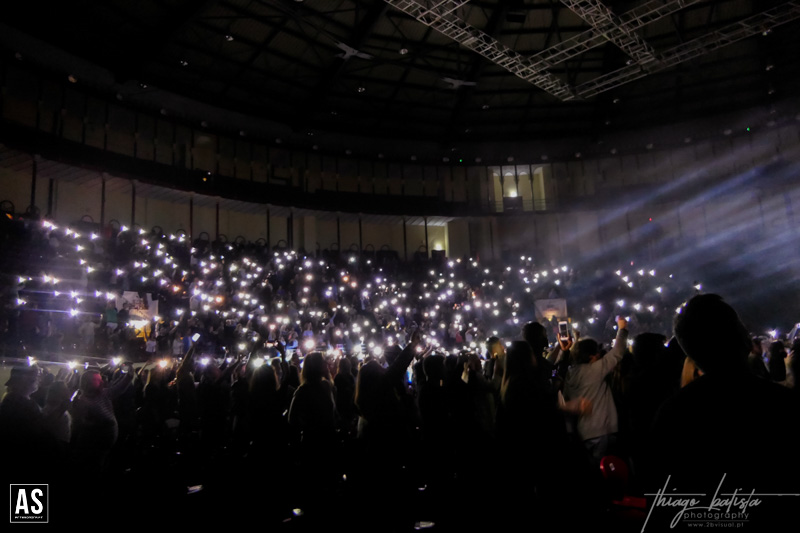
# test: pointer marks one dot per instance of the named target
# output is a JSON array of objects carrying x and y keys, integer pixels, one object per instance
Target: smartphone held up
[{"x": 563, "y": 330}]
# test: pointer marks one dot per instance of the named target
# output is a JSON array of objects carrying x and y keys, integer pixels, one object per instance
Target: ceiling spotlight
[
  {"x": 361, "y": 88},
  {"x": 72, "y": 79},
  {"x": 485, "y": 106},
  {"x": 403, "y": 51},
  {"x": 315, "y": 147},
  {"x": 577, "y": 155},
  {"x": 446, "y": 159},
  {"x": 613, "y": 150},
  {"x": 143, "y": 85},
  {"x": 616, "y": 100},
  {"x": 184, "y": 63},
  {"x": 728, "y": 131},
  {"x": 229, "y": 38},
  {"x": 769, "y": 67}
]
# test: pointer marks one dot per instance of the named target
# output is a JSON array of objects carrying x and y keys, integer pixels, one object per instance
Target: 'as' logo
[{"x": 28, "y": 503}]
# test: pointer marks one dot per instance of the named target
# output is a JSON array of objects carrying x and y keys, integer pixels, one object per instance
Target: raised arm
[
  {"x": 560, "y": 351},
  {"x": 607, "y": 363},
  {"x": 188, "y": 362},
  {"x": 399, "y": 366},
  {"x": 121, "y": 383}
]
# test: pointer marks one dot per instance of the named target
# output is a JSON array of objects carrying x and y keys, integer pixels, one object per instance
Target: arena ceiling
[{"x": 440, "y": 70}]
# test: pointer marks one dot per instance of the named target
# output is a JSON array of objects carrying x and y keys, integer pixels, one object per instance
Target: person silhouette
[{"x": 727, "y": 423}]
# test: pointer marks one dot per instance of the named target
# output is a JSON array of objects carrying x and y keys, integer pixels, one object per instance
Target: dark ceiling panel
[{"x": 277, "y": 59}]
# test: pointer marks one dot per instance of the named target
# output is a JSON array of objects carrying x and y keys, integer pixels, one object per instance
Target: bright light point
[
  {"x": 659, "y": 289},
  {"x": 378, "y": 351},
  {"x": 597, "y": 307},
  {"x": 163, "y": 363},
  {"x": 637, "y": 306},
  {"x": 73, "y": 312},
  {"x": 698, "y": 287},
  {"x": 651, "y": 308},
  {"x": 257, "y": 362},
  {"x": 652, "y": 272},
  {"x": 618, "y": 272},
  {"x": 563, "y": 269},
  {"x": 73, "y": 364},
  {"x": 621, "y": 303},
  {"x": 773, "y": 333}
]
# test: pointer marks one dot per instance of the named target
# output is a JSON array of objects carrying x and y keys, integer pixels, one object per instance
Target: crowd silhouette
[{"x": 279, "y": 389}]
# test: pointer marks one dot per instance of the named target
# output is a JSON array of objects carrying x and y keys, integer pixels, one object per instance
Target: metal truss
[
  {"x": 606, "y": 26},
  {"x": 697, "y": 47},
  {"x": 439, "y": 16},
  {"x": 628, "y": 22},
  {"x": 603, "y": 20}
]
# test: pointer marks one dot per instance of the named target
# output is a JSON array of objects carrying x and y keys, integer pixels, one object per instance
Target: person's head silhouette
[{"x": 711, "y": 333}]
